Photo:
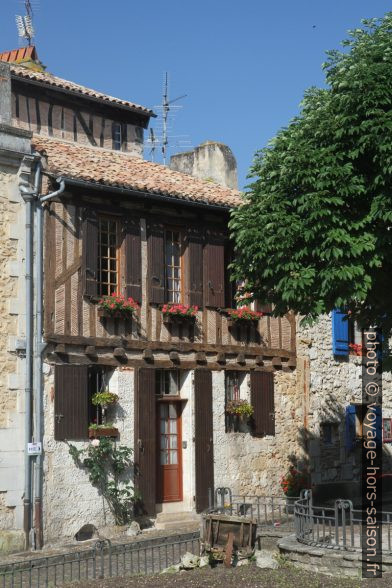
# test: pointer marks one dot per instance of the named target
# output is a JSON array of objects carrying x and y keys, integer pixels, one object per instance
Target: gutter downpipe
[
  {"x": 39, "y": 347},
  {"x": 28, "y": 197}
]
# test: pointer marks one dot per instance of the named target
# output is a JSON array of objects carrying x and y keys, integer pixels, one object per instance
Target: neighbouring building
[{"x": 159, "y": 236}]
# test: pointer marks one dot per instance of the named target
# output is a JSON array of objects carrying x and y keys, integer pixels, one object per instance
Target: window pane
[
  {"x": 173, "y": 457},
  {"x": 164, "y": 410},
  {"x": 164, "y": 442},
  {"x": 164, "y": 457},
  {"x": 173, "y": 441},
  {"x": 173, "y": 426}
]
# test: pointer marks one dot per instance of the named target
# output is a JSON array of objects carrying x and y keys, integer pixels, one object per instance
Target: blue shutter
[
  {"x": 378, "y": 426},
  {"x": 339, "y": 332},
  {"x": 350, "y": 432}
]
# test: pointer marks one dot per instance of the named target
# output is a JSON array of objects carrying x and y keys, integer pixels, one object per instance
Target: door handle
[
  {"x": 140, "y": 445},
  {"x": 58, "y": 417}
]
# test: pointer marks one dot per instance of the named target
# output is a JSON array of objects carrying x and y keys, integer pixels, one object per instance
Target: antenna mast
[
  {"x": 24, "y": 24},
  {"x": 165, "y": 112}
]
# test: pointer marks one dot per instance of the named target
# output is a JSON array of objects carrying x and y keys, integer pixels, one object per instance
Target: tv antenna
[{"x": 24, "y": 24}]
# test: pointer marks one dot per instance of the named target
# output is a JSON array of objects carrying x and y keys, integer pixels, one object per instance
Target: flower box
[
  {"x": 179, "y": 313},
  {"x": 242, "y": 316},
  {"x": 117, "y": 306},
  {"x": 102, "y": 432}
]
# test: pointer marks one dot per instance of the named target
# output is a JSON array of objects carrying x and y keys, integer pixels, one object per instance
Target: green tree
[{"x": 315, "y": 229}]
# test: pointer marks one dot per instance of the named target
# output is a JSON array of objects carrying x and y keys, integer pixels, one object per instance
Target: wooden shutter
[
  {"x": 339, "y": 332},
  {"x": 156, "y": 264},
  {"x": 70, "y": 402},
  {"x": 133, "y": 259},
  {"x": 214, "y": 274},
  {"x": 195, "y": 261},
  {"x": 90, "y": 253},
  {"x": 145, "y": 438},
  {"x": 262, "y": 400},
  {"x": 230, "y": 287},
  {"x": 204, "y": 448}
]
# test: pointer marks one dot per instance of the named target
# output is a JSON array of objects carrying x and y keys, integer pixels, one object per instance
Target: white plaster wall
[{"x": 70, "y": 500}]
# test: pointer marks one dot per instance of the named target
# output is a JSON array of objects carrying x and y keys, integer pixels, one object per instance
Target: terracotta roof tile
[
  {"x": 113, "y": 168},
  {"x": 50, "y": 80}
]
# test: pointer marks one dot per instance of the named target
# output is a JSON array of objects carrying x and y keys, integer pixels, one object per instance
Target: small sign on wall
[{"x": 34, "y": 448}]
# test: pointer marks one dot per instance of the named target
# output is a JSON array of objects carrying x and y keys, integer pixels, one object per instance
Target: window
[
  {"x": 167, "y": 382},
  {"x": 108, "y": 256},
  {"x": 233, "y": 381},
  {"x": 75, "y": 386},
  {"x": 329, "y": 433},
  {"x": 117, "y": 136},
  {"x": 173, "y": 266}
]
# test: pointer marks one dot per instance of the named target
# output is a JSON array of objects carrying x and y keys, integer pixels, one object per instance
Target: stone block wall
[
  {"x": 334, "y": 383},
  {"x": 12, "y": 314}
]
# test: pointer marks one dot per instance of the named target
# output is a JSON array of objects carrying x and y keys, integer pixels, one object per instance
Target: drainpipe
[
  {"x": 39, "y": 347},
  {"x": 34, "y": 349},
  {"x": 28, "y": 199}
]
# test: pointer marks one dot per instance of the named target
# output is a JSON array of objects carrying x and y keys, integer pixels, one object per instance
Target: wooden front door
[{"x": 169, "y": 451}]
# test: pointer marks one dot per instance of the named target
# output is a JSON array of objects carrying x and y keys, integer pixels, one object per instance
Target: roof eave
[
  {"x": 140, "y": 194},
  {"x": 140, "y": 111}
]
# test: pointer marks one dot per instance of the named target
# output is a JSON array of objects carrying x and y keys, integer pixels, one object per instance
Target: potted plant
[
  {"x": 103, "y": 399},
  {"x": 243, "y": 315},
  {"x": 173, "y": 312},
  {"x": 105, "y": 430},
  {"x": 117, "y": 306},
  {"x": 292, "y": 483},
  {"x": 240, "y": 408}
]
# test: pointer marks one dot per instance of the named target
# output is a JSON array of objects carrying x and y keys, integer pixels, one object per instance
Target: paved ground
[{"x": 243, "y": 577}]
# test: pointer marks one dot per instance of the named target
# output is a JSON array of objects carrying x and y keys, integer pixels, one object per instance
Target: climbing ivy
[{"x": 107, "y": 465}]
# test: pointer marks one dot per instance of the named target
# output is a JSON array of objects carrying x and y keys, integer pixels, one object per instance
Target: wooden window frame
[
  {"x": 160, "y": 385},
  {"x": 100, "y": 292},
  {"x": 232, "y": 424},
  {"x": 172, "y": 229},
  {"x": 117, "y": 129}
]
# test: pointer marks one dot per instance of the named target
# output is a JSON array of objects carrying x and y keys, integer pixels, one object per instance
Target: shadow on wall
[{"x": 332, "y": 456}]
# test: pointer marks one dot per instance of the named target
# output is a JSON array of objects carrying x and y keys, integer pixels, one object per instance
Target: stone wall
[
  {"x": 12, "y": 329},
  {"x": 250, "y": 465},
  {"x": 211, "y": 161},
  {"x": 334, "y": 383}
]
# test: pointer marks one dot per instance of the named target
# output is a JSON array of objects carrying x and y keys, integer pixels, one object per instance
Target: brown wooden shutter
[
  {"x": 195, "y": 261},
  {"x": 156, "y": 264},
  {"x": 90, "y": 253},
  {"x": 133, "y": 260},
  {"x": 230, "y": 287},
  {"x": 214, "y": 274},
  {"x": 70, "y": 402},
  {"x": 145, "y": 438},
  {"x": 204, "y": 447},
  {"x": 262, "y": 400}
]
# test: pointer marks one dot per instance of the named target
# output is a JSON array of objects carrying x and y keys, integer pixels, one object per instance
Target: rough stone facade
[
  {"x": 334, "y": 383},
  {"x": 12, "y": 328},
  {"x": 209, "y": 161}
]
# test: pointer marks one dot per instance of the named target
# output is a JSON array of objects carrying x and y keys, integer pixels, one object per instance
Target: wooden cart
[{"x": 225, "y": 536}]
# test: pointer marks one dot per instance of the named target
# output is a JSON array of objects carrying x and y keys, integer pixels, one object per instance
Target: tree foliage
[{"x": 315, "y": 228}]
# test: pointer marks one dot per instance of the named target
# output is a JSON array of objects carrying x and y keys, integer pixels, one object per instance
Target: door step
[{"x": 177, "y": 520}]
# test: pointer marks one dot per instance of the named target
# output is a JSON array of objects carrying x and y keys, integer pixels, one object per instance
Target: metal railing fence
[
  {"x": 268, "y": 511},
  {"x": 102, "y": 560},
  {"x": 339, "y": 527}
]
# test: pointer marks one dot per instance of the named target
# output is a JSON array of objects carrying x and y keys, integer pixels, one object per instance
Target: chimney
[{"x": 211, "y": 161}]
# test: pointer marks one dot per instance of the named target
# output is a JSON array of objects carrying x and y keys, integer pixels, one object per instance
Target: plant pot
[
  {"x": 118, "y": 314},
  {"x": 242, "y": 322},
  {"x": 178, "y": 319},
  {"x": 102, "y": 432},
  {"x": 290, "y": 500}
]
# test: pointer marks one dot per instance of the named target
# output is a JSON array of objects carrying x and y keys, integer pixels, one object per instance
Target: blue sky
[{"x": 243, "y": 65}]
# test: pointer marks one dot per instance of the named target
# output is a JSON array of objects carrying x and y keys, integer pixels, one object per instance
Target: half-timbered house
[{"x": 126, "y": 225}]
